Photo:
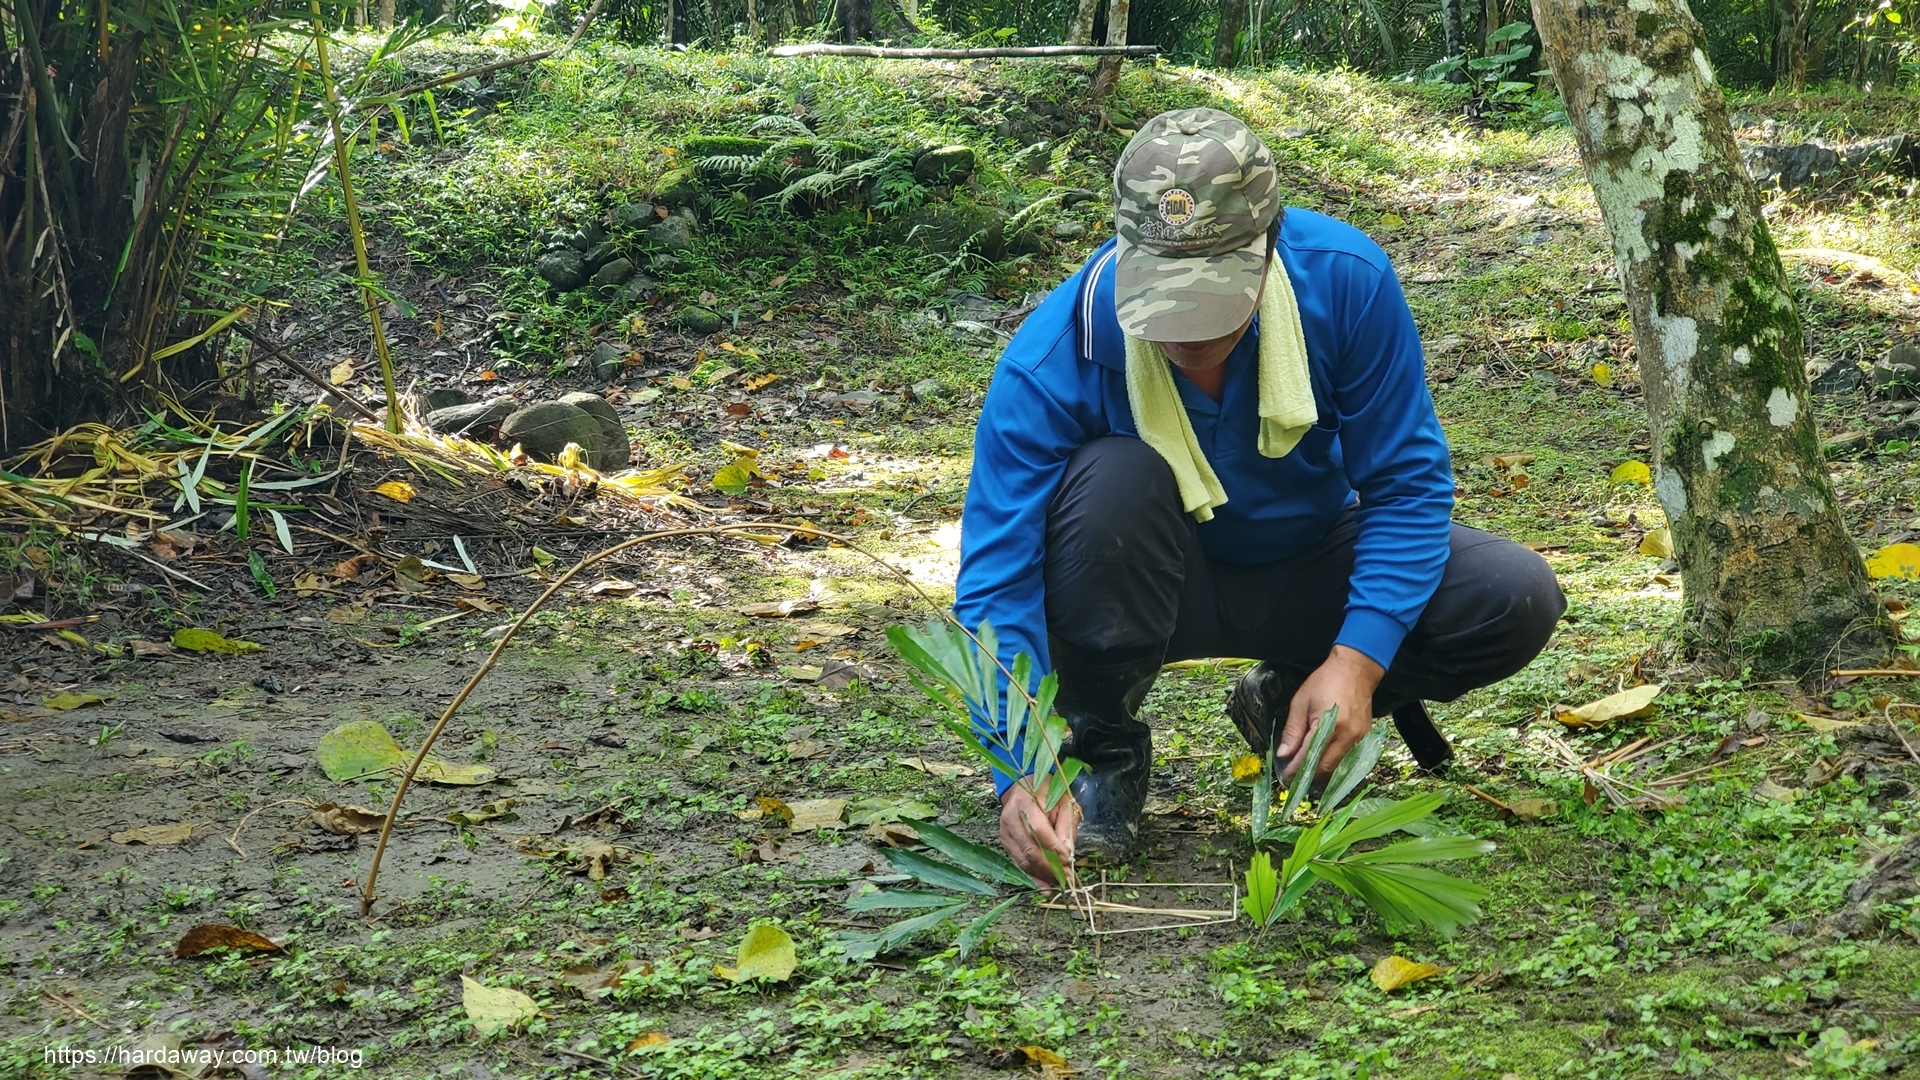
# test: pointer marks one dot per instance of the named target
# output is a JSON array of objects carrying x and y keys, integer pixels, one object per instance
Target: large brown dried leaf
[
  {"x": 209, "y": 936},
  {"x": 343, "y": 820},
  {"x": 155, "y": 835}
]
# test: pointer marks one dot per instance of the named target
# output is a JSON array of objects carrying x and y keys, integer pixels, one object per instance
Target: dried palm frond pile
[{"x": 167, "y": 490}]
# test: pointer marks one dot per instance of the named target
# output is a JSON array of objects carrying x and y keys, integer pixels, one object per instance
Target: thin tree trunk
[
  {"x": 1233, "y": 19},
  {"x": 1453, "y": 36},
  {"x": 386, "y": 15},
  {"x": 1080, "y": 24},
  {"x": 677, "y": 22},
  {"x": 1116, "y": 35},
  {"x": 1770, "y": 578}
]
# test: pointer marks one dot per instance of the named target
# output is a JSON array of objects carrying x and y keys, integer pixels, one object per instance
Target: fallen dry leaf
[
  {"x": 1825, "y": 724},
  {"x": 343, "y": 820},
  {"x": 612, "y": 587},
  {"x": 892, "y": 834},
  {"x": 594, "y": 857},
  {"x": 935, "y": 768},
  {"x": 592, "y": 981},
  {"x": 495, "y": 1009},
  {"x": 209, "y": 936},
  {"x": 1531, "y": 810},
  {"x": 811, "y": 814},
  {"x": 1394, "y": 972},
  {"x": 1895, "y": 561},
  {"x": 468, "y": 581},
  {"x": 149, "y": 650},
  {"x": 649, "y": 1040},
  {"x": 780, "y": 609},
  {"x": 72, "y": 700},
  {"x": 347, "y": 569},
  {"x": 479, "y": 603},
  {"x": 1658, "y": 543},
  {"x": 342, "y": 373},
  {"x": 155, "y": 835},
  {"x": 1624, "y": 705},
  {"x": 398, "y": 490}
]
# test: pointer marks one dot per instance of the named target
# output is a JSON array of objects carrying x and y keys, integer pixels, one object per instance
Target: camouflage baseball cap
[{"x": 1193, "y": 198}]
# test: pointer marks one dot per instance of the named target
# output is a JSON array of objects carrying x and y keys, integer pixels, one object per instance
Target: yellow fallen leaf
[
  {"x": 767, "y": 807},
  {"x": 72, "y": 701},
  {"x": 1824, "y": 724},
  {"x": 1658, "y": 543},
  {"x": 1602, "y": 374},
  {"x": 760, "y": 382},
  {"x": 1246, "y": 769},
  {"x": 1631, "y": 472},
  {"x": 397, "y": 490},
  {"x": 309, "y": 583},
  {"x": 195, "y": 639},
  {"x": 468, "y": 581},
  {"x": 495, "y": 1009},
  {"x": 1394, "y": 972},
  {"x": 1043, "y": 1057},
  {"x": 342, "y": 373},
  {"x": 155, "y": 835},
  {"x": 1621, "y": 706},
  {"x": 766, "y": 953},
  {"x": 651, "y": 1038},
  {"x": 1895, "y": 561},
  {"x": 1391, "y": 220}
]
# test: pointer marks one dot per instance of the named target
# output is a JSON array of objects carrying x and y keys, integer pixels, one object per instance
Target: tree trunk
[
  {"x": 1233, "y": 18},
  {"x": 1080, "y": 25},
  {"x": 1453, "y": 36},
  {"x": 677, "y": 33},
  {"x": 1769, "y": 575},
  {"x": 1116, "y": 35},
  {"x": 385, "y": 18}
]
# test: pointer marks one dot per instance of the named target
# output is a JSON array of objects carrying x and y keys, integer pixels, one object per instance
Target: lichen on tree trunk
[{"x": 1771, "y": 578}]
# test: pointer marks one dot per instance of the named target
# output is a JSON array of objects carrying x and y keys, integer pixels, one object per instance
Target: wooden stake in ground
[{"x": 1770, "y": 577}]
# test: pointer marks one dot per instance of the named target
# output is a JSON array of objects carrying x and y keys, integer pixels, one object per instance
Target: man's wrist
[{"x": 1361, "y": 666}]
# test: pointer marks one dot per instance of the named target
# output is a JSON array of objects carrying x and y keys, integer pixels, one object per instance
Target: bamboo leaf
[
  {"x": 899, "y": 900},
  {"x": 983, "y": 862},
  {"x": 1354, "y": 769},
  {"x": 867, "y": 946},
  {"x": 976, "y": 929},
  {"x": 938, "y": 874}
]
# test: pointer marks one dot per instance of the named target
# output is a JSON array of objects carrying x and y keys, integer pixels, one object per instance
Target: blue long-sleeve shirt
[{"x": 1062, "y": 382}]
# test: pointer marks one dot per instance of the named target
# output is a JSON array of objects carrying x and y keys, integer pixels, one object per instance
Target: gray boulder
[
  {"x": 444, "y": 398},
  {"x": 587, "y": 235},
  {"x": 478, "y": 420},
  {"x": 610, "y": 449},
  {"x": 597, "y": 256},
  {"x": 639, "y": 285},
  {"x": 1840, "y": 377},
  {"x": 945, "y": 165},
  {"x": 563, "y": 269},
  {"x": 928, "y": 390},
  {"x": 638, "y": 215},
  {"x": 613, "y": 273},
  {"x": 674, "y": 233},
  {"x": 1069, "y": 230},
  {"x": 544, "y": 429},
  {"x": 608, "y": 358},
  {"x": 1897, "y": 374},
  {"x": 699, "y": 320}
]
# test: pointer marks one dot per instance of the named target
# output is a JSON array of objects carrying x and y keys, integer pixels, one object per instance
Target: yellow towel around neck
[{"x": 1286, "y": 397}]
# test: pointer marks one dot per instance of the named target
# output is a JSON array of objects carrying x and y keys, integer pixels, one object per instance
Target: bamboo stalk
[
  {"x": 1878, "y": 673},
  {"x": 342, "y": 169}
]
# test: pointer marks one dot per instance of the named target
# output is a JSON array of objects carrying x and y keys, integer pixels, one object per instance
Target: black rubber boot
[
  {"x": 1100, "y": 692},
  {"x": 1259, "y": 703}
]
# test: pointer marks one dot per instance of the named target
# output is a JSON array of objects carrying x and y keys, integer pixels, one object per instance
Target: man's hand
[
  {"x": 1027, "y": 831},
  {"x": 1347, "y": 678}
]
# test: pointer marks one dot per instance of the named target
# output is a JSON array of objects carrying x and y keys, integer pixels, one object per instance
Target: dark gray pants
[{"x": 1126, "y": 571}]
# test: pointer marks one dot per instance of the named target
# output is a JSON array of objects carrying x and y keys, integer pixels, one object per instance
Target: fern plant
[
  {"x": 987, "y": 708},
  {"x": 1395, "y": 881}
]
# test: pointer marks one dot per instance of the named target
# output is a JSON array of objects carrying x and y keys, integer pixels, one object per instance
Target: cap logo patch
[{"x": 1176, "y": 206}]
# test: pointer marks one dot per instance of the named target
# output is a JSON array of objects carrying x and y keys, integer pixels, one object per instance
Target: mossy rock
[
  {"x": 946, "y": 228},
  {"x": 544, "y": 429},
  {"x": 702, "y": 147},
  {"x": 610, "y": 449},
  {"x": 944, "y": 165},
  {"x": 677, "y": 187}
]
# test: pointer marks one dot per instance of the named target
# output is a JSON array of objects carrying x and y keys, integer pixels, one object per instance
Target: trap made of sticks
[{"x": 1106, "y": 915}]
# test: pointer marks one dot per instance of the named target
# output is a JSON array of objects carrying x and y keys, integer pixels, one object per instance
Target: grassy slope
[{"x": 1624, "y": 944}]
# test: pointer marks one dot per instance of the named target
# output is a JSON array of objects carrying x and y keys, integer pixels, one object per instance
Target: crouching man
[{"x": 1216, "y": 439}]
